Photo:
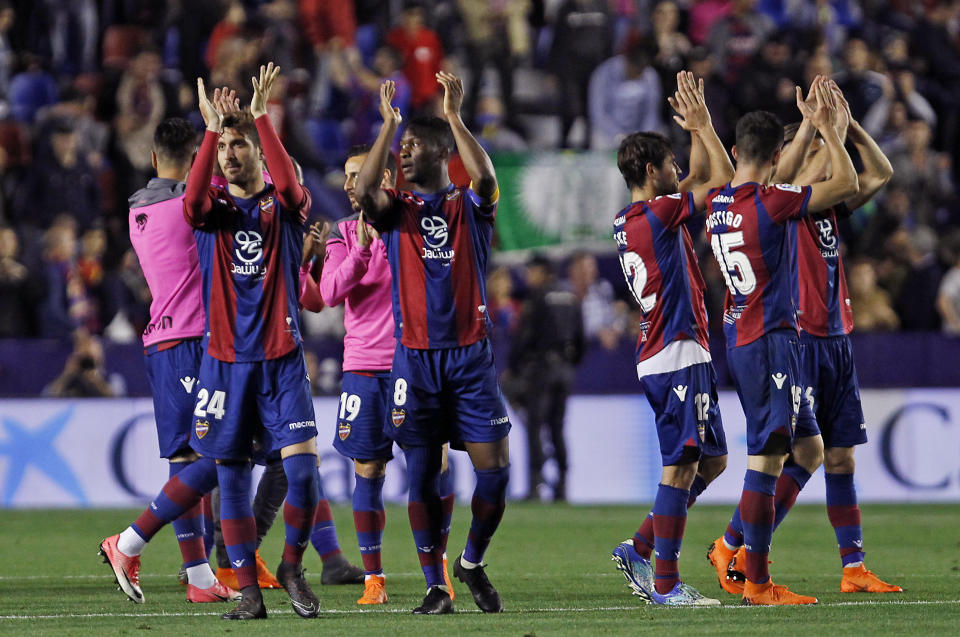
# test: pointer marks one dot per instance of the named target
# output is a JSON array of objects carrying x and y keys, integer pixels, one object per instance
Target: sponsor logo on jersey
[
  {"x": 435, "y": 231},
  {"x": 266, "y": 205},
  {"x": 248, "y": 248},
  {"x": 343, "y": 431},
  {"x": 302, "y": 424},
  {"x": 778, "y": 378},
  {"x": 398, "y": 415},
  {"x": 201, "y": 427}
]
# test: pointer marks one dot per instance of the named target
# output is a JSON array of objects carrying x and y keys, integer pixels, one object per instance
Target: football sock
[
  {"x": 844, "y": 516},
  {"x": 756, "y": 510},
  {"x": 301, "y": 504},
  {"x": 323, "y": 535},
  {"x": 488, "y": 503},
  {"x": 179, "y": 494},
  {"x": 733, "y": 536},
  {"x": 188, "y": 528},
  {"x": 369, "y": 517},
  {"x": 425, "y": 510},
  {"x": 237, "y": 523},
  {"x": 271, "y": 492},
  {"x": 643, "y": 538},
  {"x": 791, "y": 481},
  {"x": 445, "y": 490},
  {"x": 207, "y": 510},
  {"x": 669, "y": 521},
  {"x": 200, "y": 575}
]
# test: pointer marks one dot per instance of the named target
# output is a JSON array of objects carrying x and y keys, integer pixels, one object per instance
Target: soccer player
[
  {"x": 443, "y": 385},
  {"x": 673, "y": 355},
  {"x": 167, "y": 252},
  {"x": 825, "y": 318},
  {"x": 250, "y": 238},
  {"x": 748, "y": 227}
]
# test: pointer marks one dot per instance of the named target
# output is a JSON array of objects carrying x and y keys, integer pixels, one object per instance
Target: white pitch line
[{"x": 946, "y": 602}]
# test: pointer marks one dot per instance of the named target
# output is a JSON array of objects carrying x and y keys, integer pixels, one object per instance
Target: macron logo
[
  {"x": 778, "y": 378},
  {"x": 681, "y": 392},
  {"x": 238, "y": 563},
  {"x": 187, "y": 383}
]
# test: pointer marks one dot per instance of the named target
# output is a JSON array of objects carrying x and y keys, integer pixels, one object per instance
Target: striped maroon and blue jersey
[
  {"x": 250, "y": 252},
  {"x": 660, "y": 265},
  {"x": 823, "y": 300},
  {"x": 756, "y": 250},
  {"x": 437, "y": 246}
]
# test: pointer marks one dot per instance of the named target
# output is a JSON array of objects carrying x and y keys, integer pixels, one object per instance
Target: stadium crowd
[{"x": 84, "y": 83}]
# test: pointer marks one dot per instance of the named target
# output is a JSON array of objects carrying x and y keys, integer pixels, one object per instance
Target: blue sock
[
  {"x": 844, "y": 514},
  {"x": 791, "y": 481},
  {"x": 323, "y": 534},
  {"x": 189, "y": 527},
  {"x": 698, "y": 486},
  {"x": 236, "y": 520},
  {"x": 369, "y": 518},
  {"x": 757, "y": 513},
  {"x": 445, "y": 489},
  {"x": 425, "y": 511},
  {"x": 488, "y": 504},
  {"x": 301, "y": 504},
  {"x": 669, "y": 522}
]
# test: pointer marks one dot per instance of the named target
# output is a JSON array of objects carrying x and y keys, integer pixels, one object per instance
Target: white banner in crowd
[{"x": 103, "y": 452}]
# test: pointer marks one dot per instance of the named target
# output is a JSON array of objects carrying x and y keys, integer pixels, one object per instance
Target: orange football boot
[
  {"x": 446, "y": 578},
  {"x": 857, "y": 579},
  {"x": 265, "y": 578},
  {"x": 374, "y": 590},
  {"x": 770, "y": 594},
  {"x": 722, "y": 559}
]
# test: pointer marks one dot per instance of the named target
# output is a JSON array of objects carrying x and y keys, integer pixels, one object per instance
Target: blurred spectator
[
  {"x": 770, "y": 83},
  {"x": 493, "y": 135},
  {"x": 827, "y": 19},
  {"x": 544, "y": 356},
  {"x": 903, "y": 93},
  {"x": 933, "y": 46},
  {"x": 7, "y": 57},
  {"x": 59, "y": 181},
  {"x": 861, "y": 86},
  {"x": 671, "y": 46},
  {"x": 93, "y": 245},
  {"x": 83, "y": 375},
  {"x": 737, "y": 36},
  {"x": 581, "y": 41},
  {"x": 625, "y": 97},
  {"x": 922, "y": 172},
  {"x": 230, "y": 26},
  {"x": 126, "y": 301},
  {"x": 948, "y": 296},
  {"x": 871, "y": 306},
  {"x": 502, "y": 308},
  {"x": 422, "y": 53},
  {"x": 489, "y": 26},
  {"x": 327, "y": 22},
  {"x": 18, "y": 292},
  {"x": 604, "y": 319},
  {"x": 916, "y": 303},
  {"x": 717, "y": 93},
  {"x": 31, "y": 89},
  {"x": 73, "y": 34},
  {"x": 361, "y": 86},
  {"x": 704, "y": 14},
  {"x": 66, "y": 305}
]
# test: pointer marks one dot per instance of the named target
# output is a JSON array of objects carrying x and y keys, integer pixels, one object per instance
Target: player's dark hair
[
  {"x": 363, "y": 149},
  {"x": 790, "y": 132},
  {"x": 433, "y": 131},
  {"x": 243, "y": 122},
  {"x": 636, "y": 151},
  {"x": 759, "y": 136},
  {"x": 175, "y": 140}
]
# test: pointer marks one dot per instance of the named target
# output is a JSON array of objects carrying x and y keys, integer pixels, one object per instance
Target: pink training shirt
[
  {"x": 167, "y": 251},
  {"x": 360, "y": 278}
]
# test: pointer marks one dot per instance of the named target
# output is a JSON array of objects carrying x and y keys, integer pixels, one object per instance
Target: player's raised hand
[
  {"x": 844, "y": 116},
  {"x": 825, "y": 114},
  {"x": 226, "y": 101},
  {"x": 388, "y": 111},
  {"x": 689, "y": 103},
  {"x": 262, "y": 88},
  {"x": 365, "y": 233},
  {"x": 452, "y": 93},
  {"x": 211, "y": 116},
  {"x": 808, "y": 105},
  {"x": 315, "y": 241}
]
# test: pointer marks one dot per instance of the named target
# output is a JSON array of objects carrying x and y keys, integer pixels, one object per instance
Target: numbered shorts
[
  {"x": 767, "y": 376},
  {"x": 831, "y": 385},
  {"x": 445, "y": 395},
  {"x": 172, "y": 373},
  {"x": 361, "y": 415},
  {"x": 234, "y": 399},
  {"x": 688, "y": 418}
]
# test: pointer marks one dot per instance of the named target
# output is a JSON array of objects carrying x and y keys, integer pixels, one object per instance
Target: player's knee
[
  {"x": 679, "y": 476},
  {"x": 808, "y": 452},
  {"x": 370, "y": 469},
  {"x": 711, "y": 467},
  {"x": 839, "y": 460}
]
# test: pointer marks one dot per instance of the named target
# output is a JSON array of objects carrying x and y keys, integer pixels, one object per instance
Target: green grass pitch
[{"x": 551, "y": 564}]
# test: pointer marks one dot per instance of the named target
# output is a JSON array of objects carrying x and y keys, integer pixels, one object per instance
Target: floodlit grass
[{"x": 551, "y": 565}]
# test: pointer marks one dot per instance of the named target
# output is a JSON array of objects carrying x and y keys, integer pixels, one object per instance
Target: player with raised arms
[
  {"x": 443, "y": 384},
  {"x": 673, "y": 352},
  {"x": 749, "y": 231}
]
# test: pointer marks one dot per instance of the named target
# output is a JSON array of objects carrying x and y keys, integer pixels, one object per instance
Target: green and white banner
[{"x": 552, "y": 198}]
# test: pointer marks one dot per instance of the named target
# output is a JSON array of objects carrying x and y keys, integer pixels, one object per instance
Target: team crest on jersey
[
  {"x": 266, "y": 205},
  {"x": 343, "y": 431},
  {"x": 141, "y": 221},
  {"x": 398, "y": 415},
  {"x": 453, "y": 195},
  {"x": 201, "y": 427}
]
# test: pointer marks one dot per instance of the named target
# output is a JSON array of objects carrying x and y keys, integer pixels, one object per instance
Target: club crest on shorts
[
  {"x": 343, "y": 431},
  {"x": 266, "y": 204},
  {"x": 399, "y": 415},
  {"x": 702, "y": 431},
  {"x": 201, "y": 427}
]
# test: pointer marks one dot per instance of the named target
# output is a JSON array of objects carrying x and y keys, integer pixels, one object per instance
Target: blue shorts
[
  {"x": 235, "y": 399},
  {"x": 173, "y": 378},
  {"x": 362, "y": 415},
  {"x": 445, "y": 395},
  {"x": 688, "y": 418},
  {"x": 831, "y": 385},
  {"x": 767, "y": 376}
]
